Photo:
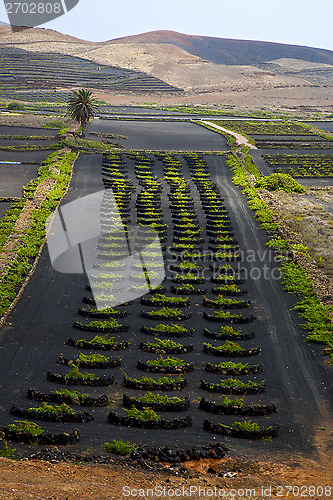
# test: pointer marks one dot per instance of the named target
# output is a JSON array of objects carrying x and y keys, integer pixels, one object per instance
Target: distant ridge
[
  {"x": 195, "y": 64},
  {"x": 229, "y": 51},
  {"x": 3, "y": 23}
]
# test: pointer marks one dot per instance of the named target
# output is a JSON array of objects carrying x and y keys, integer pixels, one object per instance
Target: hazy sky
[{"x": 299, "y": 22}]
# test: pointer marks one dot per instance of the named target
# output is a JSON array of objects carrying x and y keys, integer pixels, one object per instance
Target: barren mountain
[
  {"x": 42, "y": 40},
  {"x": 181, "y": 69},
  {"x": 35, "y": 35},
  {"x": 229, "y": 51},
  {"x": 299, "y": 65},
  {"x": 219, "y": 70},
  {"x": 167, "y": 62}
]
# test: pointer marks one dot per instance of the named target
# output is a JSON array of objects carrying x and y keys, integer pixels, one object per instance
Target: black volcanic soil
[
  {"x": 297, "y": 381},
  {"x": 14, "y": 177},
  {"x": 27, "y": 131},
  {"x": 174, "y": 136}
]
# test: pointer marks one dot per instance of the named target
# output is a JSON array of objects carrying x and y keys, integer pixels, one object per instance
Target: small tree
[
  {"x": 15, "y": 106},
  {"x": 81, "y": 106}
]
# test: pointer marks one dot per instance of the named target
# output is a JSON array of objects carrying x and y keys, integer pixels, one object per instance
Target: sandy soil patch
[
  {"x": 240, "y": 139},
  {"x": 311, "y": 217},
  {"x": 28, "y": 120},
  {"x": 43, "y": 480}
]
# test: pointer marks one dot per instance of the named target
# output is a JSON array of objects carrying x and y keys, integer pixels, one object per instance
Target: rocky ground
[
  {"x": 13, "y": 119},
  {"x": 302, "y": 101},
  {"x": 39, "y": 480},
  {"x": 307, "y": 219}
]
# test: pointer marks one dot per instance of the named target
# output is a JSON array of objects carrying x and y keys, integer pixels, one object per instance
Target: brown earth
[
  {"x": 36, "y": 480},
  {"x": 205, "y": 83},
  {"x": 310, "y": 216},
  {"x": 297, "y": 100},
  {"x": 186, "y": 71},
  {"x": 11, "y": 119},
  {"x": 231, "y": 51}
]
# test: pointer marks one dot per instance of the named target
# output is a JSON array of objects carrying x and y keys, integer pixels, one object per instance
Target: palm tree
[{"x": 81, "y": 106}]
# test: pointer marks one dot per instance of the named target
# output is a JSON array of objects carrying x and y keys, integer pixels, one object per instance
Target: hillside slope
[
  {"x": 42, "y": 40},
  {"x": 166, "y": 62},
  {"x": 229, "y": 51},
  {"x": 183, "y": 70},
  {"x": 189, "y": 62}
]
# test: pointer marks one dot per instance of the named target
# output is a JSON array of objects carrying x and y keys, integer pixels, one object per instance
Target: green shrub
[
  {"x": 226, "y": 315},
  {"x": 247, "y": 425},
  {"x": 75, "y": 373},
  {"x": 229, "y": 288},
  {"x": 120, "y": 447},
  {"x": 278, "y": 243},
  {"x": 146, "y": 414},
  {"x": 221, "y": 299},
  {"x": 26, "y": 426},
  {"x": 295, "y": 281},
  {"x": 233, "y": 366},
  {"x": 169, "y": 362},
  {"x": 239, "y": 402},
  {"x": 161, "y": 380},
  {"x": 170, "y": 328},
  {"x": 169, "y": 300},
  {"x": 62, "y": 409},
  {"x": 86, "y": 146},
  {"x": 279, "y": 182},
  {"x": 104, "y": 324},
  {"x": 6, "y": 451},
  {"x": 15, "y": 106},
  {"x": 55, "y": 124},
  {"x": 186, "y": 287},
  {"x": 229, "y": 330},
  {"x": 158, "y": 398},
  {"x": 164, "y": 343},
  {"x": 167, "y": 312},
  {"x": 100, "y": 339},
  {"x": 235, "y": 382},
  {"x": 227, "y": 346},
  {"x": 91, "y": 358},
  {"x": 72, "y": 394}
]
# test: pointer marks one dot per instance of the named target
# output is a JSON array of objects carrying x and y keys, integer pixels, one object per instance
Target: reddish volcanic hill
[{"x": 229, "y": 51}]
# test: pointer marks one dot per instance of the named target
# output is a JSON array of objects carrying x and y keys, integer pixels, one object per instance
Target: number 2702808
[
  {"x": 33, "y": 8},
  {"x": 304, "y": 491}
]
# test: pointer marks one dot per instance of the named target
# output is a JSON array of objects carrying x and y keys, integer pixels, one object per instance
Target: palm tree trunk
[{"x": 84, "y": 125}]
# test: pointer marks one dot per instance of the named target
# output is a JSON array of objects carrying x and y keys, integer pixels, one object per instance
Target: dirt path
[
  {"x": 302, "y": 378},
  {"x": 241, "y": 140}
]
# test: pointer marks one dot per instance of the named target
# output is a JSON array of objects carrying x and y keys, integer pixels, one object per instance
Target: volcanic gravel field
[
  {"x": 296, "y": 380},
  {"x": 172, "y": 136}
]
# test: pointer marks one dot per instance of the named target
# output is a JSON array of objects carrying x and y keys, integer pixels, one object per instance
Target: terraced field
[
  {"x": 280, "y": 135},
  {"x": 271, "y": 128},
  {"x": 28, "y": 77},
  {"x": 283, "y": 147},
  {"x": 18, "y": 168},
  {"x": 302, "y": 166},
  {"x": 213, "y": 347}
]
